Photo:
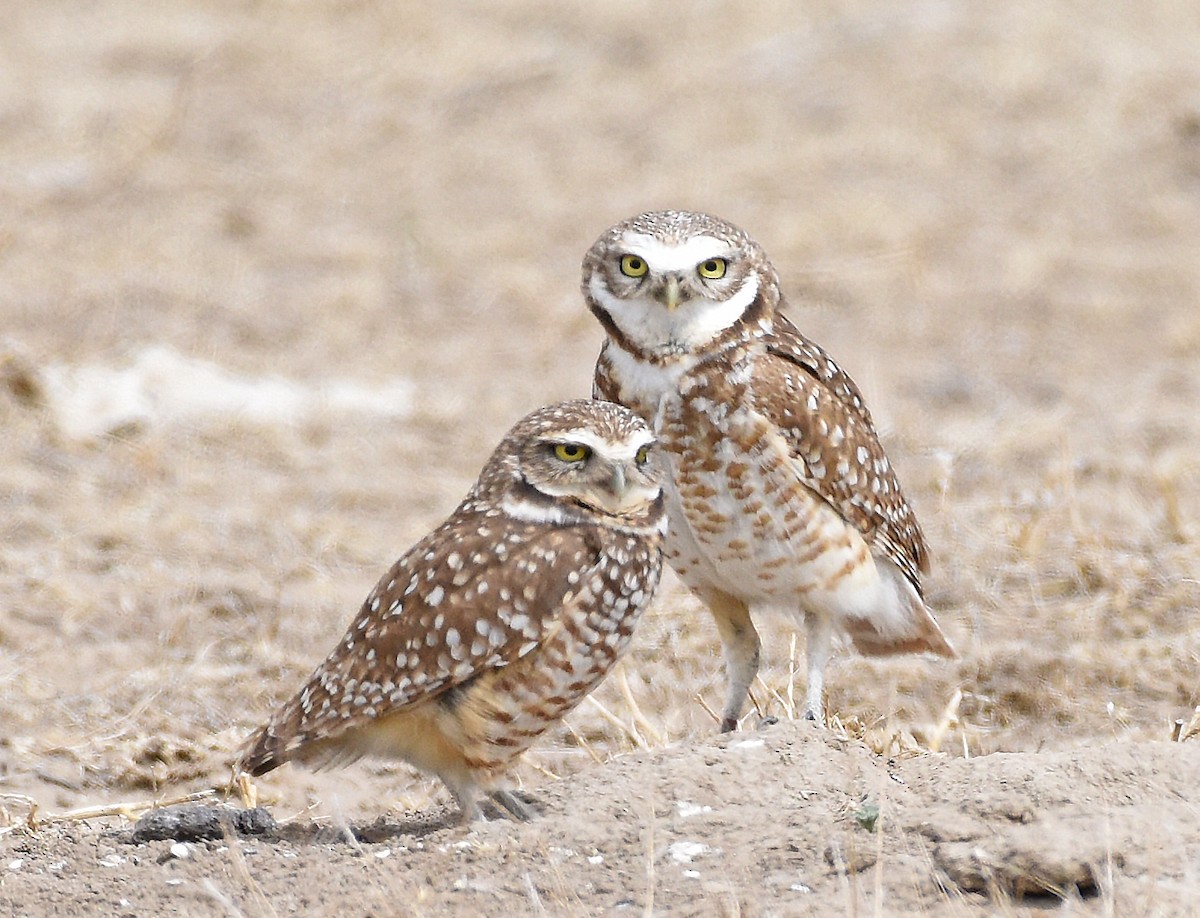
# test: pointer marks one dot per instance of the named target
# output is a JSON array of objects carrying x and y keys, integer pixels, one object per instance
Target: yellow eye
[
  {"x": 642, "y": 455},
  {"x": 712, "y": 269},
  {"x": 571, "y": 452},
  {"x": 632, "y": 266}
]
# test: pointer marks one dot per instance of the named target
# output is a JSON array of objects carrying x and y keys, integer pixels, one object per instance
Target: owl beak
[
  {"x": 670, "y": 293},
  {"x": 617, "y": 482},
  {"x": 619, "y": 496}
]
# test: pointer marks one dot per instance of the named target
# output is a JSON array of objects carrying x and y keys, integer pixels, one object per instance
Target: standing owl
[
  {"x": 780, "y": 492},
  {"x": 499, "y": 622}
]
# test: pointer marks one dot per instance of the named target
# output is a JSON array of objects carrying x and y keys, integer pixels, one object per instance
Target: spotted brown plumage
[
  {"x": 780, "y": 492},
  {"x": 494, "y": 626}
]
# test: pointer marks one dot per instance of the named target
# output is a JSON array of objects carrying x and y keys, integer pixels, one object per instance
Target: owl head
[
  {"x": 671, "y": 283},
  {"x": 580, "y": 461}
]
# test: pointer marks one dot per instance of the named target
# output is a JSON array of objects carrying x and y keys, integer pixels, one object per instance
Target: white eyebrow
[
  {"x": 672, "y": 256},
  {"x": 621, "y": 451}
]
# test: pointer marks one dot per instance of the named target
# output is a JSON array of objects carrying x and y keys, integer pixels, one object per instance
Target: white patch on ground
[
  {"x": 162, "y": 386},
  {"x": 747, "y": 744},
  {"x": 684, "y": 852}
]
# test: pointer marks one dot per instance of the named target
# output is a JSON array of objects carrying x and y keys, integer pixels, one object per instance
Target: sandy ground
[{"x": 275, "y": 277}]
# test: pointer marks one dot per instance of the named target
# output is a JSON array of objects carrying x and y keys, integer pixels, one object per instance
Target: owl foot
[{"x": 508, "y": 805}]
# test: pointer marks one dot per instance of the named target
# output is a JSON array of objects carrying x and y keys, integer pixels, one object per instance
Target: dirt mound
[{"x": 789, "y": 819}]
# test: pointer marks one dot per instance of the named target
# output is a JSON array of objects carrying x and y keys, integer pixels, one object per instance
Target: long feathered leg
[
  {"x": 741, "y": 643},
  {"x": 819, "y": 637}
]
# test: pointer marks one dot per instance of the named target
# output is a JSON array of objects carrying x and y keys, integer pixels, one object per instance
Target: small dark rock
[
  {"x": 850, "y": 860},
  {"x": 198, "y": 822}
]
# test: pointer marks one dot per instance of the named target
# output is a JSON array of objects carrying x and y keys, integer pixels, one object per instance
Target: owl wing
[
  {"x": 604, "y": 387},
  {"x": 822, "y": 416},
  {"x": 787, "y": 342},
  {"x": 448, "y": 610}
]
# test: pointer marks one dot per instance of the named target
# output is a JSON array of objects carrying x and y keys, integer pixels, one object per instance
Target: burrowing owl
[
  {"x": 781, "y": 493},
  {"x": 495, "y": 625}
]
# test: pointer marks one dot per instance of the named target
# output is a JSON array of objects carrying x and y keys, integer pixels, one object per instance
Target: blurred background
[{"x": 275, "y": 278}]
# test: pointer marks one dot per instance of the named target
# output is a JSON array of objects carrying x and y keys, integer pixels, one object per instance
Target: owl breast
[{"x": 740, "y": 519}]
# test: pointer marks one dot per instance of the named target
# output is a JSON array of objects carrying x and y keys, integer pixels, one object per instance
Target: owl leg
[
  {"x": 819, "y": 636},
  {"x": 741, "y": 644},
  {"x": 467, "y": 798}
]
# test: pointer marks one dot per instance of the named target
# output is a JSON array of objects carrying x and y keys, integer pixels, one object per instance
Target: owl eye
[
  {"x": 712, "y": 269},
  {"x": 642, "y": 455},
  {"x": 571, "y": 452},
  {"x": 632, "y": 266}
]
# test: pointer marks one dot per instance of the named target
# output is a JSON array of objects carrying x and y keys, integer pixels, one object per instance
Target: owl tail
[
  {"x": 907, "y": 626},
  {"x": 927, "y": 637},
  {"x": 284, "y": 740},
  {"x": 280, "y": 740},
  {"x": 263, "y": 752}
]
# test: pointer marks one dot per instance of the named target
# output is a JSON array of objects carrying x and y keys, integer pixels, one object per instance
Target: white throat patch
[{"x": 528, "y": 511}]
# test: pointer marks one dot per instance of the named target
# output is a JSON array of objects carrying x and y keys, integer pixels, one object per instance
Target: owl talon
[
  {"x": 815, "y": 717},
  {"x": 509, "y": 805},
  {"x": 769, "y": 721}
]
